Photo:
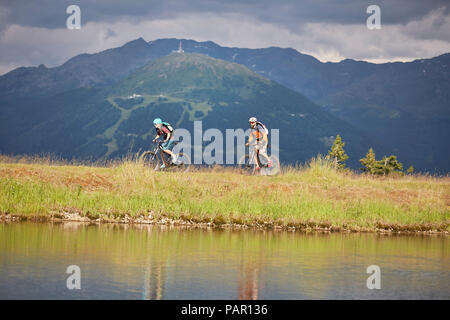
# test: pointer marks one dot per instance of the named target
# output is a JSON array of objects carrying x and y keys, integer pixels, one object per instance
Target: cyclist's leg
[
  {"x": 167, "y": 149},
  {"x": 257, "y": 162},
  {"x": 266, "y": 156},
  {"x": 169, "y": 152},
  {"x": 263, "y": 150},
  {"x": 163, "y": 158}
]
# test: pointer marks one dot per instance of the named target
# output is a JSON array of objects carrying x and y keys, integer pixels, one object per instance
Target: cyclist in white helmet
[{"x": 259, "y": 132}]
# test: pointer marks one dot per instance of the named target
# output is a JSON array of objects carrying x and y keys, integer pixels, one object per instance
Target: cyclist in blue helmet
[{"x": 166, "y": 130}]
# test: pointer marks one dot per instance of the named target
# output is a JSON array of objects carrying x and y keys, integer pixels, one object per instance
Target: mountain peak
[
  {"x": 198, "y": 63},
  {"x": 187, "y": 70},
  {"x": 138, "y": 40},
  {"x": 137, "y": 43}
]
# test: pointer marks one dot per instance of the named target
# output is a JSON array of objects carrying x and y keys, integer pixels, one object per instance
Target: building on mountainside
[{"x": 134, "y": 96}]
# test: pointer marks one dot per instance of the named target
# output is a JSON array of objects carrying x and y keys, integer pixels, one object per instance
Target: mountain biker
[
  {"x": 259, "y": 133},
  {"x": 164, "y": 129}
]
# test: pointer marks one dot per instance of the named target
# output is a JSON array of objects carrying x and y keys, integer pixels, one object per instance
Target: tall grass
[{"x": 306, "y": 196}]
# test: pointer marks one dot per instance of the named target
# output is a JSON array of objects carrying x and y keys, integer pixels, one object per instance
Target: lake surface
[{"x": 150, "y": 262}]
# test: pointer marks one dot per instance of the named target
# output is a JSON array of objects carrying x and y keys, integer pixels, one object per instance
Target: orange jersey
[{"x": 258, "y": 132}]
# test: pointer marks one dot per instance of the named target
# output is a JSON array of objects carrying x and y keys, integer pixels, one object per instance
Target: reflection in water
[
  {"x": 251, "y": 265},
  {"x": 150, "y": 262},
  {"x": 155, "y": 275},
  {"x": 248, "y": 281}
]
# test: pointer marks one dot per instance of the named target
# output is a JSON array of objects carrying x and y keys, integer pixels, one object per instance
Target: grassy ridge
[{"x": 315, "y": 196}]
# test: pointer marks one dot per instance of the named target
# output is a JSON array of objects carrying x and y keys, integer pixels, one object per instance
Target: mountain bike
[
  {"x": 248, "y": 165},
  {"x": 152, "y": 160}
]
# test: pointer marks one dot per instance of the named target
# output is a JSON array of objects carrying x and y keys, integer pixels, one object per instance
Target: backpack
[
  {"x": 263, "y": 126},
  {"x": 168, "y": 126}
]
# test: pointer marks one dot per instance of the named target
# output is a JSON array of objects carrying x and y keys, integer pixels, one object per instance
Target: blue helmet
[{"x": 157, "y": 121}]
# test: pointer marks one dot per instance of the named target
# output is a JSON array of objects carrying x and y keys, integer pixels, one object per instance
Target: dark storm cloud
[
  {"x": 51, "y": 13},
  {"x": 34, "y": 31}
]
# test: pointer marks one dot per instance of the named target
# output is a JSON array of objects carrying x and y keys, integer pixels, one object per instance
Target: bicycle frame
[
  {"x": 154, "y": 153},
  {"x": 253, "y": 153},
  {"x": 154, "y": 161},
  {"x": 247, "y": 162}
]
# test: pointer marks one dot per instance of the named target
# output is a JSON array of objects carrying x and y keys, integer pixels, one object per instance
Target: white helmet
[{"x": 252, "y": 119}]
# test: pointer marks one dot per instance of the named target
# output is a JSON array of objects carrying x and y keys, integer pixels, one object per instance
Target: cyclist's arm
[{"x": 250, "y": 139}]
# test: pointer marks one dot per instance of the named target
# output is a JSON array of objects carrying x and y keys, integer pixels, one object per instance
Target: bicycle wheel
[
  {"x": 149, "y": 159},
  {"x": 183, "y": 163},
  {"x": 245, "y": 165},
  {"x": 273, "y": 169}
]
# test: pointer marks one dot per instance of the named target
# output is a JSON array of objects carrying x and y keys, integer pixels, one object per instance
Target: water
[{"x": 145, "y": 262}]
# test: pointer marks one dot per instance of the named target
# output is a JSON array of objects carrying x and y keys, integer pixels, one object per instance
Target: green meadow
[{"x": 314, "y": 196}]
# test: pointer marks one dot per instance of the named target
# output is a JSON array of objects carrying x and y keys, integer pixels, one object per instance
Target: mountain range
[{"x": 399, "y": 108}]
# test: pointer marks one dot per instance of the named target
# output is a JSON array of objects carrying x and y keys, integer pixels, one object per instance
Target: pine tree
[
  {"x": 337, "y": 153},
  {"x": 385, "y": 166},
  {"x": 369, "y": 162},
  {"x": 410, "y": 170},
  {"x": 390, "y": 165}
]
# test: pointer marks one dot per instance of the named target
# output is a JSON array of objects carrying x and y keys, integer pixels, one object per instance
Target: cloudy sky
[{"x": 34, "y": 31}]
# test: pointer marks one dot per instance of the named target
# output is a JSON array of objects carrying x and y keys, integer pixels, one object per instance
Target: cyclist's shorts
[
  {"x": 167, "y": 145},
  {"x": 262, "y": 146}
]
